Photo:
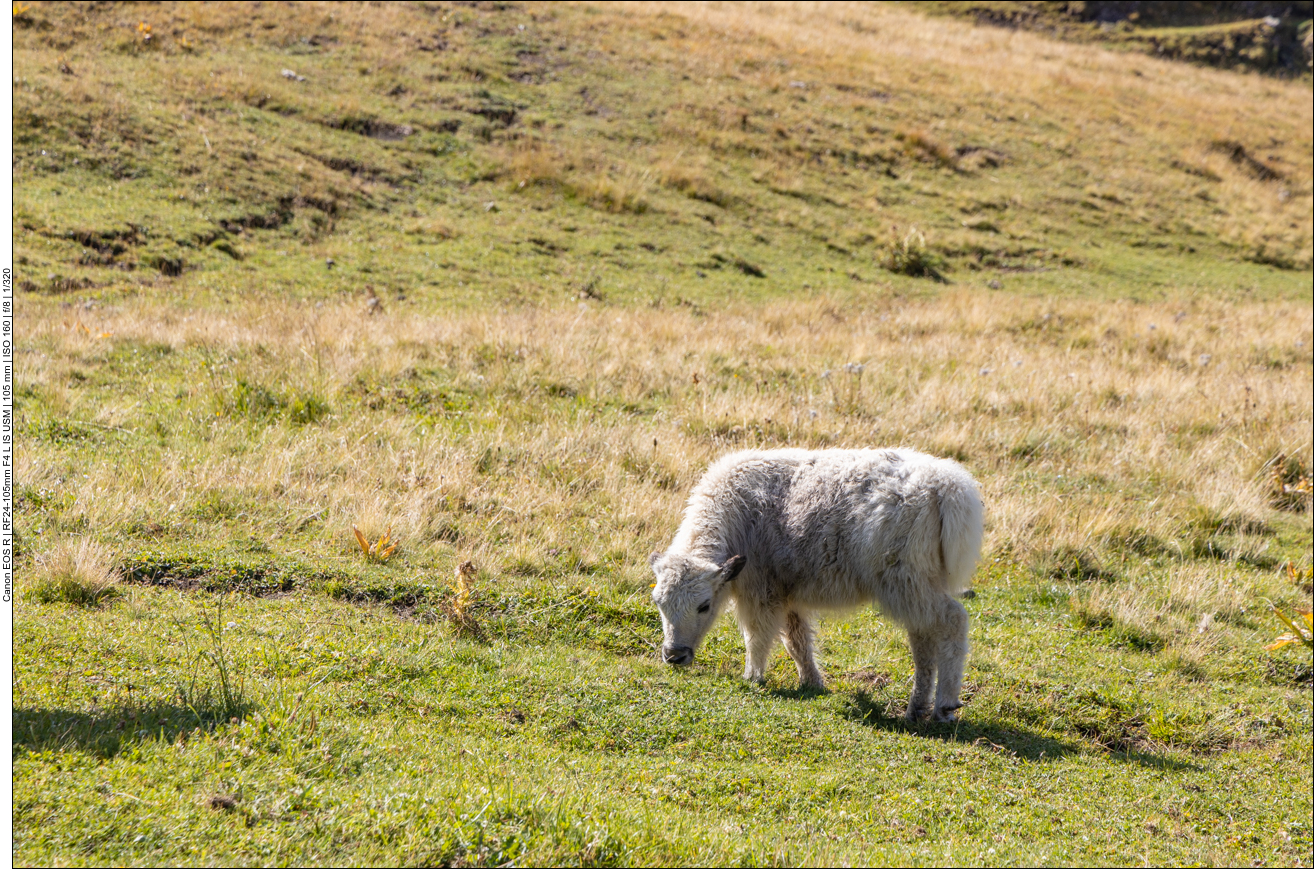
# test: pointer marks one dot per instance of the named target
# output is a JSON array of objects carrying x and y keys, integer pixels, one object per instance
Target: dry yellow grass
[
  {"x": 1089, "y": 104},
  {"x": 585, "y": 426}
]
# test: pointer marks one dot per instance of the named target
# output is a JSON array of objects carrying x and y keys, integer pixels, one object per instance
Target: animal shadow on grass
[
  {"x": 106, "y": 732},
  {"x": 802, "y": 692},
  {"x": 1011, "y": 740}
]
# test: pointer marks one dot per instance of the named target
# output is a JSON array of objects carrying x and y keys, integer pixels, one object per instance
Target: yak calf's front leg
[
  {"x": 760, "y": 628},
  {"x": 757, "y": 654},
  {"x": 798, "y": 636}
]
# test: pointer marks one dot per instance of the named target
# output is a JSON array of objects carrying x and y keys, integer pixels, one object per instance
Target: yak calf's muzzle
[{"x": 678, "y": 655}]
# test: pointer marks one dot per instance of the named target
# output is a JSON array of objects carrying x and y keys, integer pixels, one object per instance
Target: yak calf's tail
[
  {"x": 962, "y": 524},
  {"x": 944, "y": 540}
]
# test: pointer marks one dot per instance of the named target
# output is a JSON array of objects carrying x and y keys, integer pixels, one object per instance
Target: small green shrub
[
  {"x": 912, "y": 257},
  {"x": 258, "y": 402},
  {"x": 307, "y": 409}
]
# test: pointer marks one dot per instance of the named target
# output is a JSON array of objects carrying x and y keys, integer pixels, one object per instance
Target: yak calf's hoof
[
  {"x": 813, "y": 682},
  {"x": 948, "y": 712},
  {"x": 916, "y": 713}
]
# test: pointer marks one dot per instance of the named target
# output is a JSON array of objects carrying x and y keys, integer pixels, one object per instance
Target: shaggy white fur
[{"x": 786, "y": 534}]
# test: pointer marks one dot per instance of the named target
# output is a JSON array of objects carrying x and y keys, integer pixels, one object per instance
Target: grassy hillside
[
  {"x": 503, "y": 153},
  {"x": 497, "y": 283}
]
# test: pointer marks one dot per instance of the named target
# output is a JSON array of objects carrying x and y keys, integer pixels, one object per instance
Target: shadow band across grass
[
  {"x": 1020, "y": 742},
  {"x": 618, "y": 624},
  {"x": 106, "y": 732}
]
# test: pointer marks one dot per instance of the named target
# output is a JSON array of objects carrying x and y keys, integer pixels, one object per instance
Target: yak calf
[{"x": 787, "y": 534}]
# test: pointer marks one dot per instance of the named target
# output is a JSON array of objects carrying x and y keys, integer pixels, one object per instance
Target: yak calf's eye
[{"x": 705, "y": 607}]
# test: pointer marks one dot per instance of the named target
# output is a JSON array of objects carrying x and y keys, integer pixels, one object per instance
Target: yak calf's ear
[
  {"x": 653, "y": 559},
  {"x": 732, "y": 566}
]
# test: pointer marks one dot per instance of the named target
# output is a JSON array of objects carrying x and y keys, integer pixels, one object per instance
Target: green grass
[{"x": 373, "y": 738}]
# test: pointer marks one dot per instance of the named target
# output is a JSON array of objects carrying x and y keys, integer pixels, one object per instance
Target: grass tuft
[
  {"x": 1291, "y": 484},
  {"x": 1072, "y": 564},
  {"x": 213, "y": 688},
  {"x": 693, "y": 182},
  {"x": 459, "y": 608},
  {"x": 77, "y": 572},
  {"x": 616, "y": 192}
]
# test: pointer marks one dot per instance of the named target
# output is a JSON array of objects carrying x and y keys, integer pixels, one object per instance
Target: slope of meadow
[
  {"x": 498, "y": 282},
  {"x": 526, "y": 153}
]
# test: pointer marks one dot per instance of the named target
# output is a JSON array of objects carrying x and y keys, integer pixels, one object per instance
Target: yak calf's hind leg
[
  {"x": 798, "y": 636},
  {"x": 924, "y": 648},
  {"x": 951, "y": 653}
]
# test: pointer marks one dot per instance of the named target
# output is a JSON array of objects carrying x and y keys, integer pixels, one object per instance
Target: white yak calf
[{"x": 786, "y": 534}]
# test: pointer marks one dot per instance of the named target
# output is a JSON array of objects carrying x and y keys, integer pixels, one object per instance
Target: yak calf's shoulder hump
[
  {"x": 848, "y": 464},
  {"x": 747, "y": 464}
]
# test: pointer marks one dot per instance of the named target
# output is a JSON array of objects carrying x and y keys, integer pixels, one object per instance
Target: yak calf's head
[{"x": 690, "y": 593}]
